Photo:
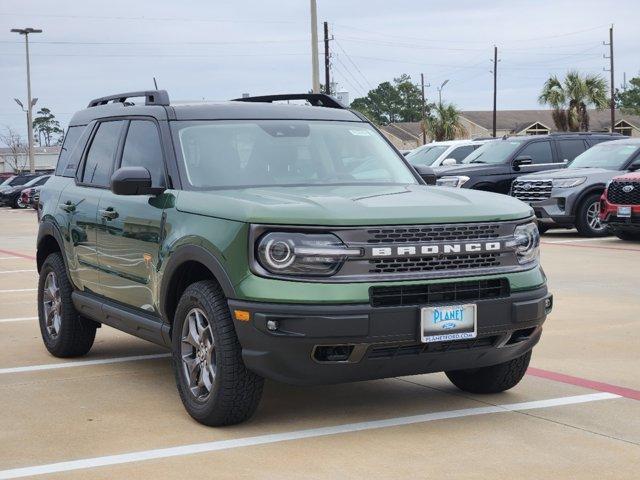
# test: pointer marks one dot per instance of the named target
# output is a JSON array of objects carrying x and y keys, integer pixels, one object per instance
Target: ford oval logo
[{"x": 628, "y": 188}]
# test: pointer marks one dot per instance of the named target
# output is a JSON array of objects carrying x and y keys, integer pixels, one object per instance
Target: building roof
[
  {"x": 54, "y": 150},
  {"x": 518, "y": 120}
]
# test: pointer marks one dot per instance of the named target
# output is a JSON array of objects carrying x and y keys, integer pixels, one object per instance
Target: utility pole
[
  {"x": 315, "y": 81},
  {"x": 610, "y": 57},
  {"x": 495, "y": 87},
  {"x": 327, "y": 79},
  {"x": 30, "y": 103},
  {"x": 424, "y": 111}
]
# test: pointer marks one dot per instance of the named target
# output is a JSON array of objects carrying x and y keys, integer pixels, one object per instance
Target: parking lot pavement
[{"x": 116, "y": 414}]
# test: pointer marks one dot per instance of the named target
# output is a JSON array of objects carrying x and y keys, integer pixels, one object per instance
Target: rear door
[
  {"x": 570, "y": 148},
  {"x": 131, "y": 225},
  {"x": 79, "y": 202}
]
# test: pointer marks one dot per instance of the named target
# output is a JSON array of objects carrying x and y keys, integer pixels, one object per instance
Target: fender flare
[
  {"x": 198, "y": 254},
  {"x": 49, "y": 229}
]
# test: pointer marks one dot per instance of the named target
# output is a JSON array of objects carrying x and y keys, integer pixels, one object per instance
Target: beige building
[
  {"x": 408, "y": 135},
  {"x": 44, "y": 158}
]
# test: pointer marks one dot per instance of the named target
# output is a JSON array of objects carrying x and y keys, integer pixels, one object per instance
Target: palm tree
[
  {"x": 571, "y": 98},
  {"x": 444, "y": 123}
]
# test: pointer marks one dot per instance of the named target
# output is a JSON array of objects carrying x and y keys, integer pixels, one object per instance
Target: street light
[
  {"x": 440, "y": 91},
  {"x": 30, "y": 102},
  {"x": 33, "y": 104}
]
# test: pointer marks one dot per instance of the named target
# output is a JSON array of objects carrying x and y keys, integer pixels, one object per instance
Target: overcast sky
[{"x": 217, "y": 50}]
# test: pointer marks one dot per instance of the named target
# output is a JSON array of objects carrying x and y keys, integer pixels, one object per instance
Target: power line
[
  {"x": 68, "y": 42},
  {"x": 149, "y": 19},
  {"x": 354, "y": 64},
  {"x": 361, "y": 87}
]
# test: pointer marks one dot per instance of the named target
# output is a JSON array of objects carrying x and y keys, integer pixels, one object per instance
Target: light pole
[
  {"x": 33, "y": 103},
  {"x": 26, "y": 32},
  {"x": 440, "y": 91}
]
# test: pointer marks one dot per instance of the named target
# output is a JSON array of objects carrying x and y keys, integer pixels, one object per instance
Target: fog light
[
  {"x": 548, "y": 303},
  {"x": 272, "y": 325}
]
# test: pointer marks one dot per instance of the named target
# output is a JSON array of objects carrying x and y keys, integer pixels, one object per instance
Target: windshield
[
  {"x": 33, "y": 181},
  {"x": 494, "y": 152},
  {"x": 219, "y": 154},
  {"x": 426, "y": 156},
  {"x": 605, "y": 155},
  {"x": 7, "y": 181}
]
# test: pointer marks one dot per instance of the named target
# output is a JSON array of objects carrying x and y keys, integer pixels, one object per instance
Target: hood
[
  {"x": 353, "y": 205},
  {"x": 469, "y": 168},
  {"x": 629, "y": 177},
  {"x": 569, "y": 173}
]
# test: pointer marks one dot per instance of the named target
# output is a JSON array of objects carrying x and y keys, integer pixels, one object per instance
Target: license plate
[
  {"x": 447, "y": 323},
  {"x": 624, "y": 212}
]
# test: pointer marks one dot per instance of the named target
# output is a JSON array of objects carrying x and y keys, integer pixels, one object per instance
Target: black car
[
  {"x": 495, "y": 165},
  {"x": 11, "y": 196},
  {"x": 17, "y": 180}
]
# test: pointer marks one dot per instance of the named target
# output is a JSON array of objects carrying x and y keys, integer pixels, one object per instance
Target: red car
[{"x": 620, "y": 206}]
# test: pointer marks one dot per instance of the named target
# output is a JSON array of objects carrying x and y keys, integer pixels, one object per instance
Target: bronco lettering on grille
[{"x": 441, "y": 249}]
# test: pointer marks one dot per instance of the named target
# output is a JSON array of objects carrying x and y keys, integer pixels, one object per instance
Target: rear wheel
[
  {"x": 588, "y": 217},
  {"x": 64, "y": 332},
  {"x": 493, "y": 379},
  {"x": 215, "y": 386}
]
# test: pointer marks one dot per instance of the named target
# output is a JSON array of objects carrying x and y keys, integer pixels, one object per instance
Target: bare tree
[{"x": 17, "y": 156}]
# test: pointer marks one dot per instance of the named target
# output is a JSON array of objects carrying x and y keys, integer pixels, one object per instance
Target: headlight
[
  {"x": 527, "y": 242},
  {"x": 452, "y": 181},
  {"x": 568, "y": 182},
  {"x": 285, "y": 253}
]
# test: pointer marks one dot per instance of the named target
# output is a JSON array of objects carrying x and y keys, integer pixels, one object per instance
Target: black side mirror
[
  {"x": 427, "y": 174},
  {"x": 133, "y": 181},
  {"x": 521, "y": 160}
]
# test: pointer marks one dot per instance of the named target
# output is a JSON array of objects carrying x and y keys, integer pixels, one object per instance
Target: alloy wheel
[
  {"x": 198, "y": 354},
  {"x": 593, "y": 217},
  {"x": 52, "y": 304}
]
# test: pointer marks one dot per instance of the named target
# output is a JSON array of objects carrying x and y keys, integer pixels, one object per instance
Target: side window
[
  {"x": 65, "y": 162},
  {"x": 142, "y": 149},
  {"x": 99, "y": 160},
  {"x": 570, "y": 148},
  {"x": 540, "y": 152},
  {"x": 461, "y": 153}
]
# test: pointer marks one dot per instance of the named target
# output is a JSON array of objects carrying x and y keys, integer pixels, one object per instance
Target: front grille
[
  {"x": 430, "y": 264},
  {"x": 432, "y": 233},
  {"x": 531, "y": 190},
  {"x": 433, "y": 293},
  {"x": 616, "y": 194},
  {"x": 391, "y": 351}
]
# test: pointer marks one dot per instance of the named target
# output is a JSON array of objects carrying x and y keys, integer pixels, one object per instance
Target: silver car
[{"x": 570, "y": 197}]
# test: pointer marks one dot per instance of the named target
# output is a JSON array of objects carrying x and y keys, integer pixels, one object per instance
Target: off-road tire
[
  {"x": 236, "y": 391},
  {"x": 493, "y": 379},
  {"x": 76, "y": 334},
  {"x": 627, "y": 236},
  {"x": 582, "y": 223}
]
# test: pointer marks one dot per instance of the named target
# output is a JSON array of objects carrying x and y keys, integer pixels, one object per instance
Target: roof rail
[
  {"x": 315, "y": 99},
  {"x": 151, "y": 97},
  {"x": 613, "y": 134}
]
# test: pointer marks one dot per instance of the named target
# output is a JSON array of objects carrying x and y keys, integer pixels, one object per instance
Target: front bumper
[
  {"x": 380, "y": 341},
  {"x": 609, "y": 216},
  {"x": 554, "y": 211}
]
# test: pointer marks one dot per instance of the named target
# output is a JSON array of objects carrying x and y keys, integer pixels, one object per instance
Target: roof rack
[
  {"x": 315, "y": 99},
  {"x": 151, "y": 97},
  {"x": 613, "y": 134}
]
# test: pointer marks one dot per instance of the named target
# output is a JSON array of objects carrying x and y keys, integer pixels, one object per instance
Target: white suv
[{"x": 451, "y": 152}]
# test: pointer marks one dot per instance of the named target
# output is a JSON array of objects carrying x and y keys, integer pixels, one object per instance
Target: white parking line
[
  {"x": 85, "y": 363},
  {"x": 293, "y": 435},
  {"x": 577, "y": 240},
  {"x": 17, "y": 319},
  {"x": 18, "y": 271},
  {"x": 15, "y": 290},
  {"x": 8, "y": 258}
]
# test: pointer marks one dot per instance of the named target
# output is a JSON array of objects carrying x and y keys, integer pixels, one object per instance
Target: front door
[{"x": 131, "y": 227}]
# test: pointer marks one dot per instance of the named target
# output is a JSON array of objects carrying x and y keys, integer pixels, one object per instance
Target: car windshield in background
[
  {"x": 426, "y": 156},
  {"x": 494, "y": 152},
  {"x": 605, "y": 155},
  {"x": 219, "y": 154}
]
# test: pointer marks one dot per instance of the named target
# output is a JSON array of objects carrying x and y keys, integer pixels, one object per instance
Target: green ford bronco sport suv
[{"x": 284, "y": 241}]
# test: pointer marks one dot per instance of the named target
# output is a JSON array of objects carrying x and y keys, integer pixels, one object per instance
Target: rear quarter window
[{"x": 70, "y": 152}]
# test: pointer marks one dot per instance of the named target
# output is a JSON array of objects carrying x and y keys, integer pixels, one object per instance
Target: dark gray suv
[{"x": 570, "y": 197}]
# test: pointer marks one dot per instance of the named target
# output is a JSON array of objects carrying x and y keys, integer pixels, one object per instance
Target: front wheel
[
  {"x": 215, "y": 386},
  {"x": 627, "y": 236},
  {"x": 588, "y": 217},
  {"x": 493, "y": 379}
]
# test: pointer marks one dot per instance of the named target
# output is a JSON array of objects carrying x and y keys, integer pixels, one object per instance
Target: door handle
[
  {"x": 109, "y": 213},
  {"x": 68, "y": 206}
]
